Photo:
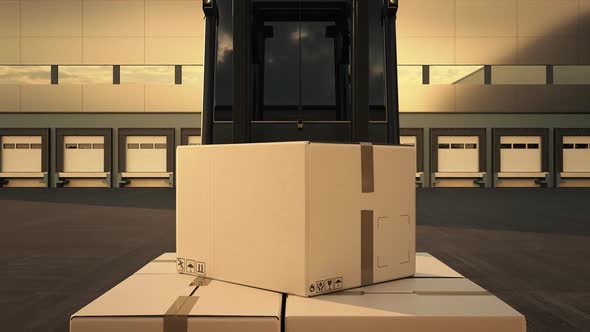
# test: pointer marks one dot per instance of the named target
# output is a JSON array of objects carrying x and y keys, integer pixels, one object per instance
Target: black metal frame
[
  {"x": 247, "y": 130},
  {"x": 211, "y": 17},
  {"x": 391, "y": 83},
  {"x": 242, "y": 56},
  {"x": 291, "y": 11}
]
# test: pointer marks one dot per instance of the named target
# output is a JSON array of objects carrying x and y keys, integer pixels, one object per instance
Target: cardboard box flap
[
  {"x": 166, "y": 257},
  {"x": 399, "y": 305},
  {"x": 159, "y": 267},
  {"x": 428, "y": 266},
  {"x": 140, "y": 295},
  {"x": 425, "y": 286},
  {"x": 225, "y": 299}
]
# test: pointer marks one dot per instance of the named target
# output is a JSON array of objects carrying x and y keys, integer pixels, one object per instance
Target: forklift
[{"x": 300, "y": 70}]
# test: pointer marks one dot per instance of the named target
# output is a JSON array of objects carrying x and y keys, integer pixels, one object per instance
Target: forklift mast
[{"x": 279, "y": 70}]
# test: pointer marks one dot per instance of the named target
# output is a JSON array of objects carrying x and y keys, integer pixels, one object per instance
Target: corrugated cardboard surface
[
  {"x": 428, "y": 266},
  {"x": 167, "y": 256},
  {"x": 402, "y": 312},
  {"x": 425, "y": 286},
  {"x": 141, "y": 303},
  {"x": 442, "y": 304},
  {"x": 286, "y": 216}
]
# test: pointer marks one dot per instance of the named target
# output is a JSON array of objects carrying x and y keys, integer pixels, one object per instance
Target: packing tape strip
[
  {"x": 200, "y": 281},
  {"x": 367, "y": 247},
  {"x": 367, "y": 169},
  {"x": 176, "y": 318}
]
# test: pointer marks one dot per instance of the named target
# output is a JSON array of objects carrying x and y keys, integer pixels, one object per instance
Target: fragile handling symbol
[
  {"x": 180, "y": 264},
  {"x": 320, "y": 286}
]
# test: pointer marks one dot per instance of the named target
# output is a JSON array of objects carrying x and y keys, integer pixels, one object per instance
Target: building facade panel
[
  {"x": 548, "y": 18},
  {"x": 56, "y": 18},
  {"x": 10, "y": 50},
  {"x": 179, "y": 51},
  {"x": 9, "y": 19},
  {"x": 114, "y": 18},
  {"x": 548, "y": 50},
  {"x": 485, "y": 50},
  {"x": 51, "y": 51},
  {"x": 51, "y": 98},
  {"x": 9, "y": 98},
  {"x": 427, "y": 98},
  {"x": 114, "y": 98},
  {"x": 426, "y": 18},
  {"x": 114, "y": 51},
  {"x": 425, "y": 50},
  {"x": 174, "y": 98},
  {"x": 485, "y": 98},
  {"x": 482, "y": 18},
  {"x": 174, "y": 18}
]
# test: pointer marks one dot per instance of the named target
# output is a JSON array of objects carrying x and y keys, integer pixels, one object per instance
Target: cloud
[{"x": 25, "y": 75}]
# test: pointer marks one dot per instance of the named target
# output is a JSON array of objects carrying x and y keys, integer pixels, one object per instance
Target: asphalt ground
[{"x": 62, "y": 248}]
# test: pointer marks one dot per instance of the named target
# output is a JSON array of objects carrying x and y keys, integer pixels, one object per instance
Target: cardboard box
[
  {"x": 166, "y": 257},
  {"x": 296, "y": 217},
  {"x": 174, "y": 303},
  {"x": 414, "y": 304},
  {"x": 425, "y": 286},
  {"x": 428, "y": 266}
]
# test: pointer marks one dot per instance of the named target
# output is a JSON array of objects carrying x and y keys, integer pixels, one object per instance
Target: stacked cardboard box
[
  {"x": 297, "y": 217},
  {"x": 256, "y": 222},
  {"x": 157, "y": 298}
]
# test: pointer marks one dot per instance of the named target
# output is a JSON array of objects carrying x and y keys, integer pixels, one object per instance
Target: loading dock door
[
  {"x": 146, "y": 154},
  {"x": 520, "y": 154},
  {"x": 83, "y": 154},
  {"x": 458, "y": 154},
  {"x": 21, "y": 154},
  {"x": 576, "y": 154},
  {"x": 194, "y": 140}
]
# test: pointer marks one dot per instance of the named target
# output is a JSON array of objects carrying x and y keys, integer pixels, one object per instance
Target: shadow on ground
[
  {"x": 63, "y": 248},
  {"x": 152, "y": 198}
]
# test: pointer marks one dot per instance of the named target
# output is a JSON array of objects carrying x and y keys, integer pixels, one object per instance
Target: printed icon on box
[
  {"x": 338, "y": 283},
  {"x": 312, "y": 288},
  {"x": 180, "y": 264},
  {"x": 190, "y": 266},
  {"x": 320, "y": 285},
  {"x": 201, "y": 268},
  {"x": 330, "y": 283}
]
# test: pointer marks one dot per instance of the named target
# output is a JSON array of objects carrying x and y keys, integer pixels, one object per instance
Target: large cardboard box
[
  {"x": 167, "y": 256},
  {"x": 425, "y": 286},
  {"x": 173, "y": 302},
  {"x": 428, "y": 266},
  {"x": 297, "y": 217},
  {"x": 414, "y": 304}
]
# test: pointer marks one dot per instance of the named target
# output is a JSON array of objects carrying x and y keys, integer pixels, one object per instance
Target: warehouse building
[{"x": 99, "y": 93}]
